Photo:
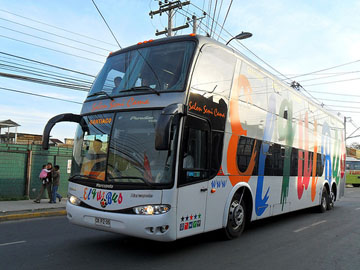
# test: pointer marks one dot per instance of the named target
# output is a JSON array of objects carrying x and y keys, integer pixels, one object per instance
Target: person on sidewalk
[
  {"x": 45, "y": 182},
  {"x": 56, "y": 183}
]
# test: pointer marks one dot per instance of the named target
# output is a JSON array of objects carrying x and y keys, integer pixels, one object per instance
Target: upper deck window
[{"x": 162, "y": 68}]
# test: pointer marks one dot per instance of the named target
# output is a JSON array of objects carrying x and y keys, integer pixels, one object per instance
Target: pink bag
[{"x": 43, "y": 173}]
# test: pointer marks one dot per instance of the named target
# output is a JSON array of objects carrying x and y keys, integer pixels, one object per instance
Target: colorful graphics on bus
[
  {"x": 286, "y": 127},
  {"x": 105, "y": 198}
]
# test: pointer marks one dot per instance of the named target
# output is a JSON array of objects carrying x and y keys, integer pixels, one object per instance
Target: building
[
  {"x": 8, "y": 124},
  {"x": 26, "y": 138}
]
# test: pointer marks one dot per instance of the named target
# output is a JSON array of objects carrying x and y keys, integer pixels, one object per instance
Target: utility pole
[{"x": 169, "y": 7}]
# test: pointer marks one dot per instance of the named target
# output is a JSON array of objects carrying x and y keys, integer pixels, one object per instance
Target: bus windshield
[
  {"x": 157, "y": 68},
  {"x": 120, "y": 149}
]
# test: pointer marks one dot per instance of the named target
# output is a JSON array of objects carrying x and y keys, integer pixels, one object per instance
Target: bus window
[
  {"x": 195, "y": 151},
  {"x": 214, "y": 71},
  {"x": 163, "y": 67}
]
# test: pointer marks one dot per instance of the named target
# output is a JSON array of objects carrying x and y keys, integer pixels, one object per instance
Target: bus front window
[
  {"x": 91, "y": 147},
  {"x": 120, "y": 148},
  {"x": 132, "y": 155},
  {"x": 161, "y": 68}
]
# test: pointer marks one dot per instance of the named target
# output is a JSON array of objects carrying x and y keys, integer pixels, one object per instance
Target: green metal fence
[{"x": 20, "y": 166}]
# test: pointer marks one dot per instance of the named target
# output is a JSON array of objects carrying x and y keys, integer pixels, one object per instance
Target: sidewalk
[{"x": 11, "y": 210}]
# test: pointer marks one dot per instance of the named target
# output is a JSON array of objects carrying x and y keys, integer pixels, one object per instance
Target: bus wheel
[
  {"x": 331, "y": 200},
  {"x": 324, "y": 200},
  {"x": 236, "y": 218}
]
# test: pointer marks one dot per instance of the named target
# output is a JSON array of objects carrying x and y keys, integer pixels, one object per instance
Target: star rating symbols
[
  {"x": 187, "y": 218},
  {"x": 191, "y": 217},
  {"x": 182, "y": 219}
]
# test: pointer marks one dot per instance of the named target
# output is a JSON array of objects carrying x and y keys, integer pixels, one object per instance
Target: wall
[{"x": 20, "y": 166}]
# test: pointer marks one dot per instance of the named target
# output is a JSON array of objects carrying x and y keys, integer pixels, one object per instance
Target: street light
[{"x": 242, "y": 35}]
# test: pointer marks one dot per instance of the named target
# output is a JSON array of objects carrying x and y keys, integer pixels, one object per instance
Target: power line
[
  {"x": 340, "y": 100},
  {"x": 53, "y": 34},
  {"x": 45, "y": 74},
  {"x": 339, "y": 106},
  {"x": 330, "y": 76},
  {"x": 46, "y": 64},
  {"x": 106, "y": 23},
  {"x": 56, "y": 27},
  {"x": 336, "y": 94},
  {"x": 22, "y": 67},
  {"x": 46, "y": 82},
  {"x": 263, "y": 61},
  {"x": 227, "y": 13},
  {"x": 221, "y": 4},
  {"x": 38, "y": 95},
  {"x": 212, "y": 24},
  {"x": 347, "y": 80},
  {"x": 48, "y": 40},
  {"x": 325, "y": 69},
  {"x": 29, "y": 43}
]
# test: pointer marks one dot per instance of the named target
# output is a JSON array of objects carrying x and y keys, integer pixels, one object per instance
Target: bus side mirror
[
  {"x": 66, "y": 117},
  {"x": 169, "y": 115}
]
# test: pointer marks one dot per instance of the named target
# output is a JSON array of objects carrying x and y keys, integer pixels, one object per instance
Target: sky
[{"x": 294, "y": 37}]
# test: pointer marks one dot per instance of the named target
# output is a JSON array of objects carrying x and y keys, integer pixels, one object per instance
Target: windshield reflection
[
  {"x": 126, "y": 155},
  {"x": 161, "y": 68}
]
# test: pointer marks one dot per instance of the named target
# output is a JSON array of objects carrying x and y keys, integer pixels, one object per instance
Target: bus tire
[
  {"x": 324, "y": 200},
  {"x": 236, "y": 217},
  {"x": 332, "y": 199}
]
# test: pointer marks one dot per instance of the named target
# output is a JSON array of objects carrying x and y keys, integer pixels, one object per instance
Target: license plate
[{"x": 102, "y": 222}]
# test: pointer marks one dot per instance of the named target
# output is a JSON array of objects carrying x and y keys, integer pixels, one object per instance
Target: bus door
[{"x": 193, "y": 176}]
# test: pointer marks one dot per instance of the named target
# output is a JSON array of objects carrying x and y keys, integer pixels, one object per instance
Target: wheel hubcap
[
  {"x": 324, "y": 202},
  {"x": 236, "y": 214}
]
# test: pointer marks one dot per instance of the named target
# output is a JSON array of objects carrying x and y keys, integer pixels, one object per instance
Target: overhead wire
[
  {"x": 46, "y": 82},
  {"x": 43, "y": 74},
  {"x": 21, "y": 67},
  {"x": 44, "y": 47},
  {"x": 325, "y": 69},
  {"x": 330, "y": 76},
  {"x": 49, "y": 40},
  {"x": 47, "y": 64},
  {"x": 346, "y": 80},
  {"x": 212, "y": 24},
  {"x": 56, "y": 27},
  {"x": 38, "y": 95},
  {"x": 56, "y": 35},
  {"x": 221, "y": 4},
  {"x": 227, "y": 13},
  {"x": 106, "y": 24}
]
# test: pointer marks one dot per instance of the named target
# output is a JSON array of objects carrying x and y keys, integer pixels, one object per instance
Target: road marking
[
  {"x": 12, "y": 243},
  {"x": 301, "y": 229},
  {"x": 312, "y": 225},
  {"x": 317, "y": 223}
]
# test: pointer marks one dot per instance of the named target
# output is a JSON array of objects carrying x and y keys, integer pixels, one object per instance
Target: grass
[{"x": 352, "y": 179}]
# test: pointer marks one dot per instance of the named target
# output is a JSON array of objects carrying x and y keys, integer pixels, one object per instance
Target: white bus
[{"x": 182, "y": 135}]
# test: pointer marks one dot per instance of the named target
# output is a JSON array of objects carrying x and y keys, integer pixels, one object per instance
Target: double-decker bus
[
  {"x": 183, "y": 135},
  {"x": 353, "y": 171}
]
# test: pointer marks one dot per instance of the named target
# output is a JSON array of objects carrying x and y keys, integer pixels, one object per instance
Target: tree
[{"x": 355, "y": 145}]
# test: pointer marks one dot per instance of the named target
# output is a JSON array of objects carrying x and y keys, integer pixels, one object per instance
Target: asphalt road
[{"x": 301, "y": 240}]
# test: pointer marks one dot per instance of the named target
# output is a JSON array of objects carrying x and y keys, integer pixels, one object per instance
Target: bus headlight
[
  {"x": 74, "y": 200},
  {"x": 152, "y": 209}
]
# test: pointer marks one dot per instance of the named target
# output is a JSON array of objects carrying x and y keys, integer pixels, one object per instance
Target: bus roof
[{"x": 202, "y": 40}]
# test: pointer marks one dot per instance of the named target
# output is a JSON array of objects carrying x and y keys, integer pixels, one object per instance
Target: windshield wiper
[
  {"x": 143, "y": 87},
  {"x": 102, "y": 92},
  {"x": 83, "y": 176},
  {"x": 133, "y": 177}
]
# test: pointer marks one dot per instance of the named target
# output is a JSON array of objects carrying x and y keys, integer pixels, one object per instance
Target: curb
[{"x": 38, "y": 214}]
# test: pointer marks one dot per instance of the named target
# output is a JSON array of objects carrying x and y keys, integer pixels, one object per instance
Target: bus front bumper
[{"x": 155, "y": 227}]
